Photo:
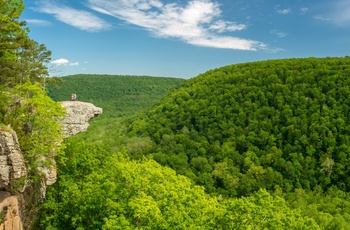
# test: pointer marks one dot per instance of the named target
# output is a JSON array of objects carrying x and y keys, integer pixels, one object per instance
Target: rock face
[
  {"x": 19, "y": 196},
  {"x": 12, "y": 169},
  {"x": 77, "y": 117},
  {"x": 9, "y": 207},
  {"x": 12, "y": 164}
]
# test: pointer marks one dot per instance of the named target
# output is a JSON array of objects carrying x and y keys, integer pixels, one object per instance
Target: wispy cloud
[
  {"x": 198, "y": 22},
  {"x": 38, "y": 22},
  {"x": 284, "y": 11},
  {"x": 336, "y": 12},
  {"x": 78, "y": 18},
  {"x": 279, "y": 33},
  {"x": 73, "y": 63},
  {"x": 64, "y": 62},
  {"x": 341, "y": 13},
  {"x": 321, "y": 18},
  {"x": 304, "y": 10}
]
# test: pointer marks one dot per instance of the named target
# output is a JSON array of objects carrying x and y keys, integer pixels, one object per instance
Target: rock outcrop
[
  {"x": 77, "y": 116},
  {"x": 13, "y": 173},
  {"x": 10, "y": 211},
  {"x": 19, "y": 195},
  {"x": 12, "y": 164}
]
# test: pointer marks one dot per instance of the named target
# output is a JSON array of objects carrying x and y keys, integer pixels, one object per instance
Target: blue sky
[{"x": 177, "y": 38}]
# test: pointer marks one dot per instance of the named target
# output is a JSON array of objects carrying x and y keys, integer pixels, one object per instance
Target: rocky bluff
[
  {"x": 19, "y": 195},
  {"x": 77, "y": 116}
]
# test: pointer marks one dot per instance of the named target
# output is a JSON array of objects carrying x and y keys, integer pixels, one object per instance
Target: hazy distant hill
[{"x": 117, "y": 95}]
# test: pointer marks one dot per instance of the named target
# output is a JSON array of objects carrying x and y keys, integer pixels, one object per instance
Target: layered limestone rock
[
  {"x": 12, "y": 164},
  {"x": 77, "y": 116},
  {"x": 10, "y": 212},
  {"x": 20, "y": 196},
  {"x": 50, "y": 177},
  {"x": 13, "y": 173}
]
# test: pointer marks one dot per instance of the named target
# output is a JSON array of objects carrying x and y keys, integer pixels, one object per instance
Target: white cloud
[
  {"x": 63, "y": 61},
  {"x": 38, "y": 22},
  {"x": 227, "y": 43},
  {"x": 199, "y": 22},
  {"x": 284, "y": 11},
  {"x": 78, "y": 18},
  {"x": 222, "y": 26}
]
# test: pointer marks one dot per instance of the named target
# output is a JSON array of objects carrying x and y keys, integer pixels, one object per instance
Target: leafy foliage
[
  {"x": 257, "y": 125},
  {"x": 99, "y": 189},
  {"x": 12, "y": 36},
  {"x": 265, "y": 140},
  {"x": 268, "y": 141},
  {"x": 21, "y": 58},
  {"x": 330, "y": 209},
  {"x": 263, "y": 211},
  {"x": 24, "y": 104},
  {"x": 34, "y": 116}
]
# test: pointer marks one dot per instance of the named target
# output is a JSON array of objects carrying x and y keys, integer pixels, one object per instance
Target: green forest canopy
[
  {"x": 278, "y": 123},
  {"x": 100, "y": 187},
  {"x": 118, "y": 95},
  {"x": 235, "y": 130}
]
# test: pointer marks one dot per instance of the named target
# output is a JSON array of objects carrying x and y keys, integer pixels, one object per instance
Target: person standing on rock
[{"x": 74, "y": 97}]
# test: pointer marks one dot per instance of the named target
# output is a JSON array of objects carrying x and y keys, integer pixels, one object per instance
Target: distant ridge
[{"x": 118, "y": 95}]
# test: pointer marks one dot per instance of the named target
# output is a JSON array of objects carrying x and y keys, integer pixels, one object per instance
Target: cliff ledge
[
  {"x": 19, "y": 195},
  {"x": 77, "y": 116}
]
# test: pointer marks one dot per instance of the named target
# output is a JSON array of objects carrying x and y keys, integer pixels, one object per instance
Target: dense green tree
[
  {"x": 32, "y": 62},
  {"x": 262, "y": 211},
  {"x": 12, "y": 37},
  {"x": 278, "y": 125},
  {"x": 25, "y": 106},
  {"x": 128, "y": 194},
  {"x": 34, "y": 116},
  {"x": 329, "y": 209},
  {"x": 21, "y": 58},
  {"x": 99, "y": 189}
]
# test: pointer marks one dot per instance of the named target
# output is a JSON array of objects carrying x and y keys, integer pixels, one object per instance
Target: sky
[{"x": 179, "y": 38}]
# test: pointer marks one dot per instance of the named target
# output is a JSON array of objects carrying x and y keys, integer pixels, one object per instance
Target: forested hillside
[
  {"x": 270, "y": 124},
  {"x": 117, "y": 95},
  {"x": 268, "y": 141},
  {"x": 260, "y": 145},
  {"x": 102, "y": 189}
]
